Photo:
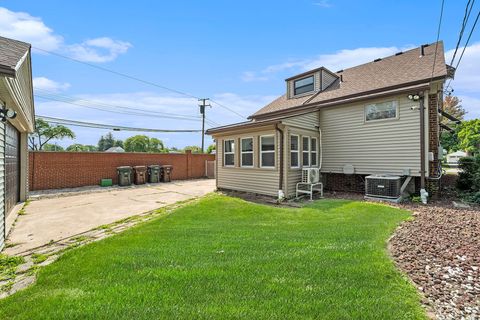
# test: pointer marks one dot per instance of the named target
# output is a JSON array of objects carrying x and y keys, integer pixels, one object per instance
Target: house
[
  {"x": 115, "y": 149},
  {"x": 376, "y": 118},
  {"x": 17, "y": 120},
  {"x": 452, "y": 158}
]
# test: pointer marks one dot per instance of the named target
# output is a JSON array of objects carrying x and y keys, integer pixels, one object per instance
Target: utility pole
[{"x": 202, "y": 106}]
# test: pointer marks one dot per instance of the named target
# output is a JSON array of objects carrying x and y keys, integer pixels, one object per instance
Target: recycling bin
[
  {"x": 154, "y": 173},
  {"x": 124, "y": 176},
  {"x": 166, "y": 173},
  {"x": 140, "y": 174}
]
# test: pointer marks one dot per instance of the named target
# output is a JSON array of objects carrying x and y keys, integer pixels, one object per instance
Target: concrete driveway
[{"x": 62, "y": 217}]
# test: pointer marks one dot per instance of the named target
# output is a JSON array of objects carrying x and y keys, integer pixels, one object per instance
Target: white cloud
[
  {"x": 323, "y": 4},
  {"x": 98, "y": 50},
  {"x": 333, "y": 61},
  {"x": 471, "y": 105},
  {"x": 43, "y": 83},
  {"x": 24, "y": 27},
  {"x": 467, "y": 77}
]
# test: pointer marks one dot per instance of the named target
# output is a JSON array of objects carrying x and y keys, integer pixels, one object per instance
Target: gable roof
[
  {"x": 400, "y": 70},
  {"x": 12, "y": 53}
]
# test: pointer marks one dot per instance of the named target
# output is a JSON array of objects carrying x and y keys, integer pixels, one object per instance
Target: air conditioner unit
[
  {"x": 310, "y": 175},
  {"x": 383, "y": 186}
]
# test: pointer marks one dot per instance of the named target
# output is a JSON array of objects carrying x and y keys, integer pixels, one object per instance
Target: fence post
[{"x": 189, "y": 163}]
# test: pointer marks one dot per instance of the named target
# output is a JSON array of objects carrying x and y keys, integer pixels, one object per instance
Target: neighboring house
[
  {"x": 365, "y": 119},
  {"x": 115, "y": 149},
  {"x": 452, "y": 158},
  {"x": 16, "y": 93}
]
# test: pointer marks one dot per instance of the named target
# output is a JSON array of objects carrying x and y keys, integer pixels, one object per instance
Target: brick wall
[
  {"x": 344, "y": 182},
  {"x": 54, "y": 170},
  {"x": 433, "y": 185}
]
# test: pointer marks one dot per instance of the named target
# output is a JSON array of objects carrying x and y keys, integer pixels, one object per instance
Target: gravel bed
[{"x": 440, "y": 251}]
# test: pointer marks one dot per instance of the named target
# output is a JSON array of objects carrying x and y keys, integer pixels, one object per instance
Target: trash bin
[
  {"x": 166, "y": 173},
  {"x": 154, "y": 173},
  {"x": 124, "y": 176},
  {"x": 140, "y": 174}
]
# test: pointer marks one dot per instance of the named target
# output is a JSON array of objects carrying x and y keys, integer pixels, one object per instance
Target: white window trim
[
  {"x": 230, "y": 152},
  {"x": 269, "y": 151},
  {"x": 314, "y": 152},
  {"x": 307, "y": 151},
  {"x": 397, "y": 112},
  {"x": 297, "y": 151},
  {"x": 247, "y": 152}
]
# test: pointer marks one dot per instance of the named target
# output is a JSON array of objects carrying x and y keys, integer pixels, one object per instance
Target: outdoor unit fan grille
[{"x": 383, "y": 186}]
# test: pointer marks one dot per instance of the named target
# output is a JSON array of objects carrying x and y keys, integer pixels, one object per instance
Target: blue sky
[{"x": 235, "y": 52}]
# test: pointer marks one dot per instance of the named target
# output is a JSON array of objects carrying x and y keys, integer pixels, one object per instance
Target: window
[
  {"x": 313, "y": 152},
  {"x": 247, "y": 152},
  {"x": 229, "y": 153},
  {"x": 303, "y": 85},
  {"x": 306, "y": 151},
  {"x": 267, "y": 151},
  {"x": 384, "y": 110},
  {"x": 294, "y": 151}
]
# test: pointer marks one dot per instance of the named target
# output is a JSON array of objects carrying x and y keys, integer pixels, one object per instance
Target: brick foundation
[
  {"x": 344, "y": 182},
  {"x": 55, "y": 170},
  {"x": 434, "y": 167}
]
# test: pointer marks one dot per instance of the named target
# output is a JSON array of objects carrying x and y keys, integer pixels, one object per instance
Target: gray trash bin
[
  {"x": 124, "y": 176},
  {"x": 154, "y": 173},
  {"x": 166, "y": 173}
]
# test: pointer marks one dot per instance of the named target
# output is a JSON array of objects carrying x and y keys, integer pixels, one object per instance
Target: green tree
[
  {"x": 194, "y": 149},
  {"x": 44, "y": 132},
  {"x": 143, "y": 143},
  {"x": 52, "y": 147},
  {"x": 449, "y": 140},
  {"x": 469, "y": 136},
  {"x": 211, "y": 148},
  {"x": 108, "y": 141},
  {"x": 77, "y": 147}
]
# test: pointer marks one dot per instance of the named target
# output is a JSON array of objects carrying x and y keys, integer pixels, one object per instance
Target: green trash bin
[
  {"x": 124, "y": 176},
  {"x": 154, "y": 173}
]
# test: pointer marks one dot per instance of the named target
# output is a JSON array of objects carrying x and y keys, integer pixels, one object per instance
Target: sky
[{"x": 237, "y": 53}]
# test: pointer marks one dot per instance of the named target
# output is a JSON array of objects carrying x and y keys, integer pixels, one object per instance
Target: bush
[{"x": 469, "y": 178}]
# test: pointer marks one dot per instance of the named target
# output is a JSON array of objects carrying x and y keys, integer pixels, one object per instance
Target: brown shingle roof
[
  {"x": 11, "y": 53},
  {"x": 391, "y": 72}
]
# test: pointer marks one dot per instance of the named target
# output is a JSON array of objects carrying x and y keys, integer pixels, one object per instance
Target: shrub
[{"x": 469, "y": 178}]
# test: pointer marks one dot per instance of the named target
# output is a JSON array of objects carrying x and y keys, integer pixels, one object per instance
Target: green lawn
[{"x": 226, "y": 258}]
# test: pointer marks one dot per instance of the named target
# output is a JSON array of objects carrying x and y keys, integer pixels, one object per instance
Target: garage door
[{"x": 12, "y": 167}]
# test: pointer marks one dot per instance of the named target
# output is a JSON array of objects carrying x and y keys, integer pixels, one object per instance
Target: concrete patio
[{"x": 57, "y": 218}]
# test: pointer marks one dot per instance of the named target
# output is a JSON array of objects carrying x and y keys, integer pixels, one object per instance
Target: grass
[
  {"x": 224, "y": 258},
  {"x": 8, "y": 265}
]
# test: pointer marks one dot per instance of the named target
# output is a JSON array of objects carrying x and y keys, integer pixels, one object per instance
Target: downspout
[
  {"x": 281, "y": 194},
  {"x": 423, "y": 192}
]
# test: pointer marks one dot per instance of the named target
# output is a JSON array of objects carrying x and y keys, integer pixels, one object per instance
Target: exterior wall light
[
  {"x": 414, "y": 97},
  {"x": 7, "y": 113}
]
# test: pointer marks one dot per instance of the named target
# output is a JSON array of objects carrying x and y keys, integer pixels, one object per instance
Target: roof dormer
[{"x": 309, "y": 82}]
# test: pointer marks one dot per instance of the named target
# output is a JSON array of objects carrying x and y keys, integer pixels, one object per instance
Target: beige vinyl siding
[
  {"x": 305, "y": 121},
  {"x": 327, "y": 79},
  {"x": 256, "y": 179},
  {"x": 379, "y": 146},
  {"x": 2, "y": 185},
  {"x": 294, "y": 175}
]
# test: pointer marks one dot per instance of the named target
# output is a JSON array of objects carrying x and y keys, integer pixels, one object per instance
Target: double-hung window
[
  {"x": 303, "y": 85},
  {"x": 306, "y": 151},
  {"x": 313, "y": 152},
  {"x": 229, "y": 153},
  {"x": 246, "y": 152},
  {"x": 267, "y": 151},
  {"x": 294, "y": 151}
]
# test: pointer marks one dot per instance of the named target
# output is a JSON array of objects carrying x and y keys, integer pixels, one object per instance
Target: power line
[
  {"x": 107, "y": 126},
  {"x": 466, "y": 16},
  {"x": 438, "y": 37},
  {"x": 121, "y": 74}
]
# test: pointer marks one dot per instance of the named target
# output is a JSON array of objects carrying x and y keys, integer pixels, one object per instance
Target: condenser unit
[
  {"x": 383, "y": 186},
  {"x": 310, "y": 175}
]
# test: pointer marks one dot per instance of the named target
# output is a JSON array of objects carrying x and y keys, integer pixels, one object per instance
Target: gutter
[{"x": 281, "y": 194}]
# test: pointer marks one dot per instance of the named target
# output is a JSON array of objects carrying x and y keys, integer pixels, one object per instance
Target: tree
[
  {"x": 44, "y": 132},
  {"x": 194, "y": 149},
  {"x": 469, "y": 136},
  {"x": 143, "y": 143},
  {"x": 452, "y": 106},
  {"x": 449, "y": 140},
  {"x": 77, "y": 147},
  {"x": 108, "y": 141},
  {"x": 211, "y": 148},
  {"x": 52, "y": 147}
]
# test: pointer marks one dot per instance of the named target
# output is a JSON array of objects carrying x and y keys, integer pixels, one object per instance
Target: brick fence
[{"x": 55, "y": 170}]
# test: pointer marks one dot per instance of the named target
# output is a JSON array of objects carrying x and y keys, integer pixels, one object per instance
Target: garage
[{"x": 12, "y": 166}]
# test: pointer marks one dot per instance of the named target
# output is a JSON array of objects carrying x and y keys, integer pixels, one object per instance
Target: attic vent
[
  {"x": 376, "y": 60},
  {"x": 398, "y": 53},
  {"x": 340, "y": 71}
]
